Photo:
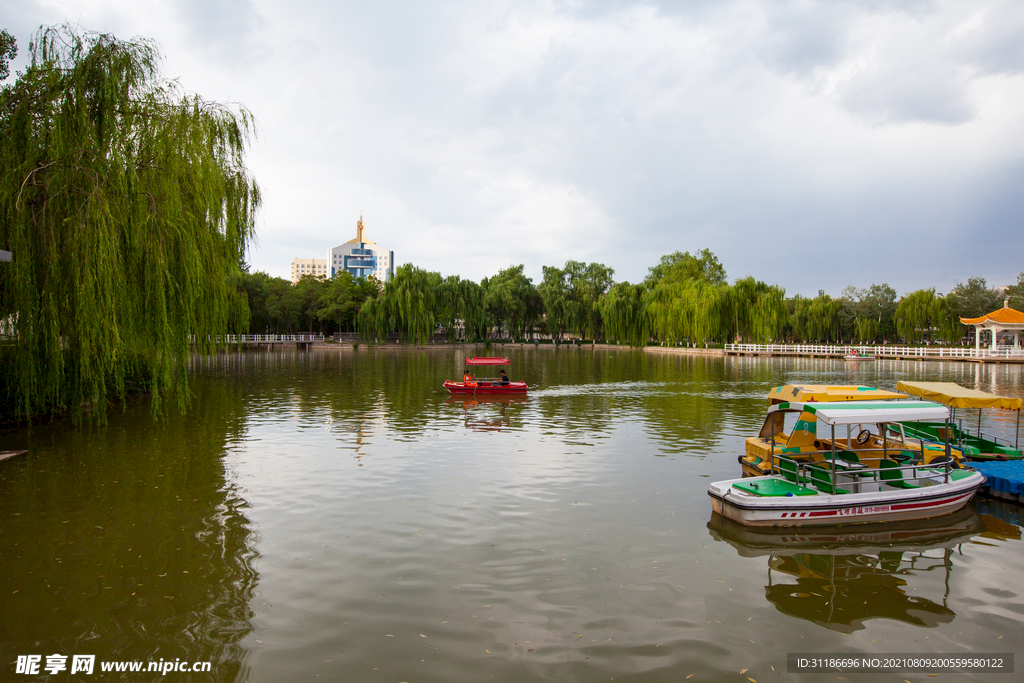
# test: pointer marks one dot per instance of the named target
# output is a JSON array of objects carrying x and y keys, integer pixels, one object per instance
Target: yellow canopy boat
[
  {"x": 976, "y": 446},
  {"x": 953, "y": 395},
  {"x": 797, "y": 438},
  {"x": 820, "y": 393}
]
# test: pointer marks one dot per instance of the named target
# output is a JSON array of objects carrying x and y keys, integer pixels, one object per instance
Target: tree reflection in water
[{"x": 130, "y": 542}]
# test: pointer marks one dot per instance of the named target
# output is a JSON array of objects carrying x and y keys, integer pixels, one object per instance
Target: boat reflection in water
[
  {"x": 1003, "y": 521},
  {"x": 841, "y": 577},
  {"x": 487, "y": 413}
]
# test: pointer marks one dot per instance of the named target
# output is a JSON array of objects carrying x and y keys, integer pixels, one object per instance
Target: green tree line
[{"x": 685, "y": 299}]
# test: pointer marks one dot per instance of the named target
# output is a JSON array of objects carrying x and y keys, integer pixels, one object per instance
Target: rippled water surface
[{"x": 336, "y": 516}]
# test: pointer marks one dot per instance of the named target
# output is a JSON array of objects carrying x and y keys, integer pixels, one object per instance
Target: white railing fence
[
  {"x": 266, "y": 338},
  {"x": 881, "y": 351}
]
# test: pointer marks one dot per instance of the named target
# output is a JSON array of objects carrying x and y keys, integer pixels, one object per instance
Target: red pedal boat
[{"x": 477, "y": 385}]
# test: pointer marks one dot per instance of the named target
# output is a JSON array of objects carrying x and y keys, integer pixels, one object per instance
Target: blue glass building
[{"x": 361, "y": 257}]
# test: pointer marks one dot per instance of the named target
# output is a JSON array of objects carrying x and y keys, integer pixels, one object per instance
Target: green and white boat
[{"x": 847, "y": 487}]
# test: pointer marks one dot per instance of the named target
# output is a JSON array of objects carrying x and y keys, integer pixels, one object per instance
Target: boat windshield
[{"x": 781, "y": 424}]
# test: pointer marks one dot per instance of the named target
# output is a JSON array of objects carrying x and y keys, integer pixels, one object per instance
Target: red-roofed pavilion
[{"x": 1003, "y": 319}]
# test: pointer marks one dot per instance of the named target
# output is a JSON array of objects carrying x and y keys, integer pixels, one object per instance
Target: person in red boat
[
  {"x": 504, "y": 379},
  {"x": 468, "y": 380}
]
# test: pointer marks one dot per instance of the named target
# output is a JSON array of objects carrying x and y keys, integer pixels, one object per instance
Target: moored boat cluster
[{"x": 830, "y": 455}]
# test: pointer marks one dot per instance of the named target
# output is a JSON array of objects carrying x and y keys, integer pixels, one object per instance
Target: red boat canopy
[{"x": 486, "y": 360}]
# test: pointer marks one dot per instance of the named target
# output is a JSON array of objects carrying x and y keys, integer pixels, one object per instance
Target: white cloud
[{"x": 617, "y": 132}]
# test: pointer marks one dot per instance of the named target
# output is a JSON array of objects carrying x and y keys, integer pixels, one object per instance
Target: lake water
[{"x": 336, "y": 516}]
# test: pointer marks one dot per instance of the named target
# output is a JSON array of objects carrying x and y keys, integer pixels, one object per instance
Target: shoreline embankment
[{"x": 835, "y": 353}]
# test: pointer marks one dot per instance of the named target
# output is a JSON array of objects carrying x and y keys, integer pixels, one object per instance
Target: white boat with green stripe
[{"x": 839, "y": 488}]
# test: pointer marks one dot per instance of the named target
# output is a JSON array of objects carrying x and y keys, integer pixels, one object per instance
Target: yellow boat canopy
[
  {"x": 956, "y": 396},
  {"x": 821, "y": 393}
]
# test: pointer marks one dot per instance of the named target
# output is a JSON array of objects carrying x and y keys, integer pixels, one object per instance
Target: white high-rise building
[
  {"x": 308, "y": 266},
  {"x": 361, "y": 257}
]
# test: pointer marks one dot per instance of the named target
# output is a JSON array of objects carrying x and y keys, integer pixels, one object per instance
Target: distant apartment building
[
  {"x": 361, "y": 257},
  {"x": 308, "y": 266}
]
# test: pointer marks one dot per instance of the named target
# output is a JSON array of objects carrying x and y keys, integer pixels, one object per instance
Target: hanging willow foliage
[
  {"x": 692, "y": 310},
  {"x": 759, "y": 310},
  {"x": 461, "y": 306},
  {"x": 867, "y": 329},
  {"x": 923, "y": 314},
  {"x": 128, "y": 207},
  {"x": 625, "y": 317},
  {"x": 513, "y": 304},
  {"x": 407, "y": 304},
  {"x": 815, "y": 319}
]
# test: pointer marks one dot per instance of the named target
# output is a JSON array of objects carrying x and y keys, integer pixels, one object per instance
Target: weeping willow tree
[
  {"x": 554, "y": 295},
  {"x": 128, "y": 208},
  {"x": 922, "y": 314},
  {"x": 866, "y": 329},
  {"x": 407, "y": 305},
  {"x": 759, "y": 310},
  {"x": 511, "y": 300},
  {"x": 374, "y": 320},
  {"x": 688, "y": 298},
  {"x": 586, "y": 283},
  {"x": 691, "y": 310},
  {"x": 624, "y": 314},
  {"x": 817, "y": 319},
  {"x": 460, "y": 303}
]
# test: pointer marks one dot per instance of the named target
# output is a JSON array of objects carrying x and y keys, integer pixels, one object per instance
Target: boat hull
[
  {"x": 824, "y": 509},
  {"x": 486, "y": 388}
]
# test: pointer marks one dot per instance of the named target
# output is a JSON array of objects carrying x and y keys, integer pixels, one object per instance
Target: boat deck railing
[
  {"x": 998, "y": 440},
  {"x": 891, "y": 446},
  {"x": 855, "y": 474},
  {"x": 964, "y": 437}
]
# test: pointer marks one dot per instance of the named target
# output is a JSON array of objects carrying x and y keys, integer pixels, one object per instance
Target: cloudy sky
[{"x": 811, "y": 144}]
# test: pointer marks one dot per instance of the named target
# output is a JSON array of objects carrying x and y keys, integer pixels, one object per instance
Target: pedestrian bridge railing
[
  {"x": 267, "y": 338},
  {"x": 878, "y": 351}
]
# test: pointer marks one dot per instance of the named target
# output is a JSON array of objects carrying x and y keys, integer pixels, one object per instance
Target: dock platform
[{"x": 1004, "y": 480}]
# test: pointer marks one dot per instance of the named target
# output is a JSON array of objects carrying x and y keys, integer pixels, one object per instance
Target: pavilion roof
[{"x": 1004, "y": 316}]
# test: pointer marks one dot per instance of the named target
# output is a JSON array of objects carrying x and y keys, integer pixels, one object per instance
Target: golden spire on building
[{"x": 360, "y": 237}]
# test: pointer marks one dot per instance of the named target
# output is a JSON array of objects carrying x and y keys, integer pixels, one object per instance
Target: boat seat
[
  {"x": 853, "y": 458},
  {"x": 849, "y": 456},
  {"x": 789, "y": 470},
  {"x": 822, "y": 478},
  {"x": 893, "y": 475},
  {"x": 773, "y": 487},
  {"x": 903, "y": 456}
]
